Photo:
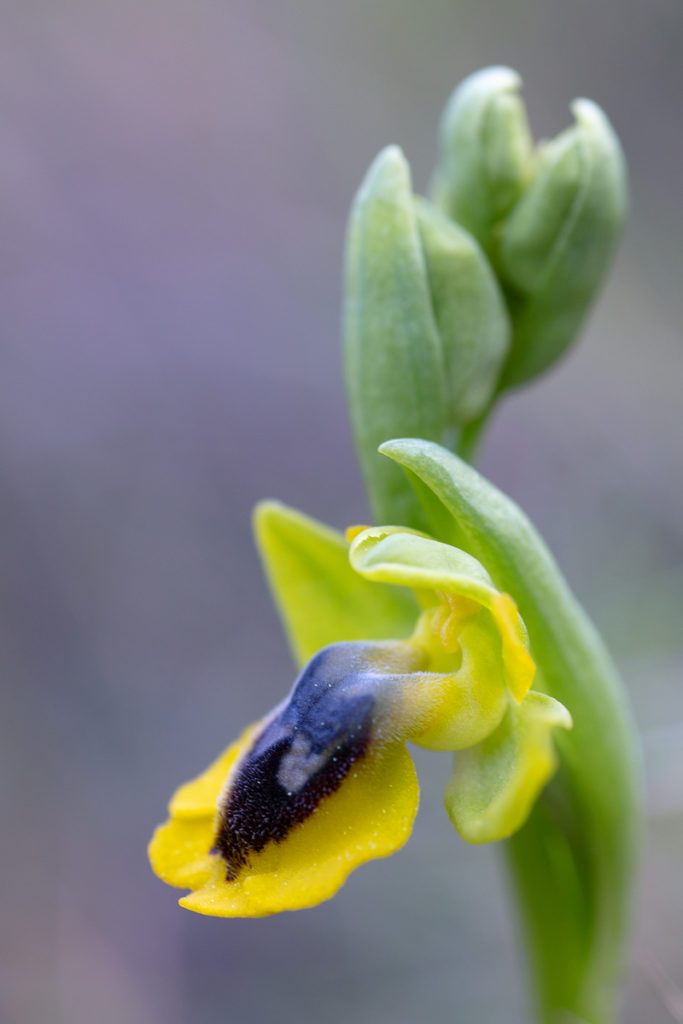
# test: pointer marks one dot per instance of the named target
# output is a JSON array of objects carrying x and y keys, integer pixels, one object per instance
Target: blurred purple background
[{"x": 174, "y": 182}]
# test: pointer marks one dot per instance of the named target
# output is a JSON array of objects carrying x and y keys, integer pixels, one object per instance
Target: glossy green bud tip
[
  {"x": 485, "y": 152},
  {"x": 557, "y": 243}
]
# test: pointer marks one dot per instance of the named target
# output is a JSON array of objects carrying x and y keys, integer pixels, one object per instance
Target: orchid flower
[{"x": 324, "y": 782}]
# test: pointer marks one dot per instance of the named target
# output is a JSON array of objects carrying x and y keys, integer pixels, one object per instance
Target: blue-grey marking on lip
[{"x": 301, "y": 756}]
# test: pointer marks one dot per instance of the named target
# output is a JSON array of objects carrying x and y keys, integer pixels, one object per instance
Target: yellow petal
[{"x": 370, "y": 815}]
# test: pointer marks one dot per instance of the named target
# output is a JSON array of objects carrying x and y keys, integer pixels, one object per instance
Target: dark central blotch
[{"x": 302, "y": 756}]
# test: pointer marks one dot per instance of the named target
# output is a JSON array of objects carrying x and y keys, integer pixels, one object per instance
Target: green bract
[
  {"x": 574, "y": 859},
  {"x": 426, "y": 330},
  {"x": 394, "y": 361}
]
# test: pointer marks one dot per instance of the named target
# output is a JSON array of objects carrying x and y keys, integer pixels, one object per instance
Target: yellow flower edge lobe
[
  {"x": 370, "y": 816},
  {"x": 179, "y": 850}
]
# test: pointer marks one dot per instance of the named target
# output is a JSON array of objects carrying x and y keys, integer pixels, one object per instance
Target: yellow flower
[{"x": 325, "y": 782}]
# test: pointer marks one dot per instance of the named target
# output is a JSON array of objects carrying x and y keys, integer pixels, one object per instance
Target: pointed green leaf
[{"x": 320, "y": 598}]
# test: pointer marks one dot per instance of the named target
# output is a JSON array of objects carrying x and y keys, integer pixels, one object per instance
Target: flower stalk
[{"x": 448, "y": 624}]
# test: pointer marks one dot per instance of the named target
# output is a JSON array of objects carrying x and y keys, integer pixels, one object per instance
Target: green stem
[{"x": 472, "y": 435}]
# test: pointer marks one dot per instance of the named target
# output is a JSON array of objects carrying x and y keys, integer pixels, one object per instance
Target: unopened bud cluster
[{"x": 452, "y": 300}]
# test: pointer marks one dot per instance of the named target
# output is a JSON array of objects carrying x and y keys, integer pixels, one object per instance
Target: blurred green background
[{"x": 174, "y": 182}]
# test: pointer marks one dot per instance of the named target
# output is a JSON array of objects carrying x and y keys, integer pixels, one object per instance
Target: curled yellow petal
[
  {"x": 470, "y": 699},
  {"x": 392, "y": 554}
]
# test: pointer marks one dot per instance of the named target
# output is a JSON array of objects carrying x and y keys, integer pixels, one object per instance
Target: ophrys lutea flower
[{"x": 325, "y": 781}]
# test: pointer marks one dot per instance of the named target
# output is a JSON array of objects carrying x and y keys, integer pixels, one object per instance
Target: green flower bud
[
  {"x": 558, "y": 241},
  {"x": 426, "y": 327},
  {"x": 485, "y": 152},
  {"x": 394, "y": 360},
  {"x": 470, "y": 313}
]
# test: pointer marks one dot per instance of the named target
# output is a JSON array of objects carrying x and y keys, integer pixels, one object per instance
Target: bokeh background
[{"x": 174, "y": 182}]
